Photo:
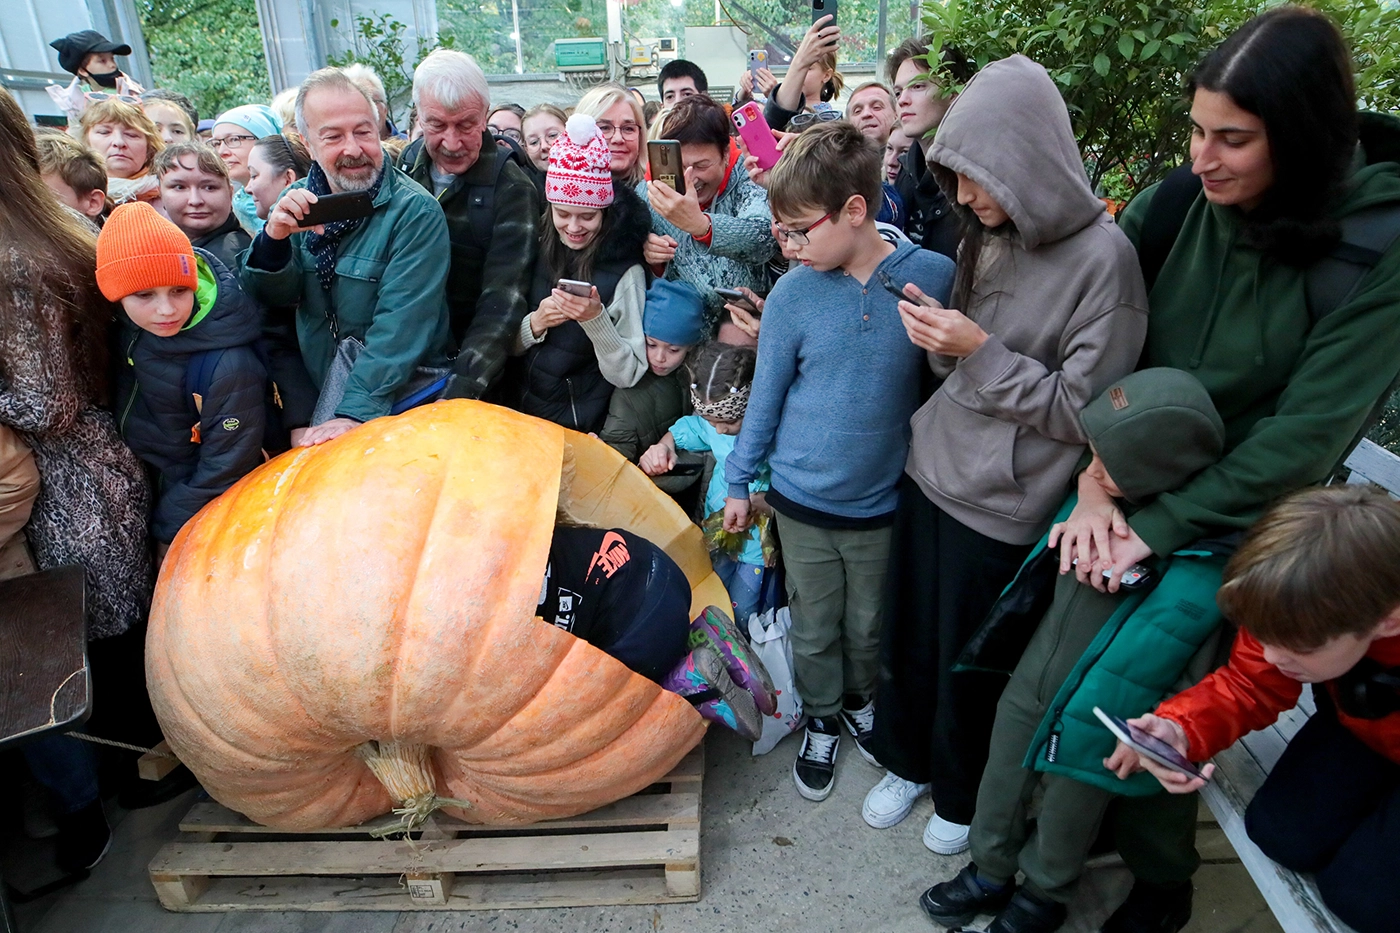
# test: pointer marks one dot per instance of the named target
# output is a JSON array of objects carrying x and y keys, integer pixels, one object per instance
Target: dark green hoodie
[{"x": 1292, "y": 395}]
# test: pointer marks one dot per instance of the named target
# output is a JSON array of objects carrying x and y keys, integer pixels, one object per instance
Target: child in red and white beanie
[{"x": 579, "y": 166}]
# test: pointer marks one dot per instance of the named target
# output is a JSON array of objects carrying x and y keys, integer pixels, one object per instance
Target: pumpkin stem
[{"x": 405, "y": 772}]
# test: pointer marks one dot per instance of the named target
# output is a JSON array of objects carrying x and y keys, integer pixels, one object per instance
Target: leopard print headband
[{"x": 728, "y": 407}]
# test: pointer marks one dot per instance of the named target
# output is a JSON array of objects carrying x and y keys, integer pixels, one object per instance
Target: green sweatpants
[{"x": 835, "y": 585}]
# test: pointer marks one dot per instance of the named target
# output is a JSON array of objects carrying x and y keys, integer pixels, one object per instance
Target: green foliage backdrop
[{"x": 209, "y": 50}]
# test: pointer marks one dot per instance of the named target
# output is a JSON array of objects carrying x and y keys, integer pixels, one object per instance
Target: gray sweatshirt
[{"x": 1060, "y": 293}]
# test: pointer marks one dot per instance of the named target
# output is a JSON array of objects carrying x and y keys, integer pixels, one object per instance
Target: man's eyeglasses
[
  {"x": 800, "y": 237},
  {"x": 812, "y": 118},
  {"x": 232, "y": 143},
  {"x": 628, "y": 130}
]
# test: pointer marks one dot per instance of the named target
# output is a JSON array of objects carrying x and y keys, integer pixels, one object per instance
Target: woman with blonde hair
[
  {"x": 623, "y": 124},
  {"x": 127, "y": 141}
]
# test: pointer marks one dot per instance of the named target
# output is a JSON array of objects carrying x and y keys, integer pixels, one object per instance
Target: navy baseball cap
[{"x": 74, "y": 48}]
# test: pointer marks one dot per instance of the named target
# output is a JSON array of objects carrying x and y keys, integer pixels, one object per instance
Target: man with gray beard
[{"x": 380, "y": 279}]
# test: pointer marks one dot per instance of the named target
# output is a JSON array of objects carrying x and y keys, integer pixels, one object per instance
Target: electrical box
[
  {"x": 644, "y": 52},
  {"x": 581, "y": 54}
]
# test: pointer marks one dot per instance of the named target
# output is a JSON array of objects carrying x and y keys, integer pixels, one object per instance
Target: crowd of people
[{"x": 1003, "y": 457}]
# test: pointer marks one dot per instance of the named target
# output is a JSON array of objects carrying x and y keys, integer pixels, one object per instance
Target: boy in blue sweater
[{"x": 836, "y": 383}]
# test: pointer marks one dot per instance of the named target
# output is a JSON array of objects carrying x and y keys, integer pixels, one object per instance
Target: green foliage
[
  {"x": 1122, "y": 65},
  {"x": 379, "y": 43},
  {"x": 209, "y": 50}
]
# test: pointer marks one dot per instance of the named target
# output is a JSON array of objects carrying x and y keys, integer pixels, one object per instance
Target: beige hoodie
[{"x": 1061, "y": 297}]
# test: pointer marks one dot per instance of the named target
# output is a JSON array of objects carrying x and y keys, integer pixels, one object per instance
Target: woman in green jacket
[{"x": 1289, "y": 174}]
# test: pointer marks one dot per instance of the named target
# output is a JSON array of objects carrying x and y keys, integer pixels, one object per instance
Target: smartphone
[
  {"x": 664, "y": 159},
  {"x": 822, "y": 8},
  {"x": 758, "y": 58},
  {"x": 332, "y": 207},
  {"x": 575, "y": 287},
  {"x": 738, "y": 298},
  {"x": 753, "y": 130},
  {"x": 1136, "y": 576},
  {"x": 1149, "y": 746}
]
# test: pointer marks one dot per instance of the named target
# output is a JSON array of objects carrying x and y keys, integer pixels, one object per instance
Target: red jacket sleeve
[{"x": 1246, "y": 694}]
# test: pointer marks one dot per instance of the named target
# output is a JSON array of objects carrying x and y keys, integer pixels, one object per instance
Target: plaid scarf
[{"x": 322, "y": 246}]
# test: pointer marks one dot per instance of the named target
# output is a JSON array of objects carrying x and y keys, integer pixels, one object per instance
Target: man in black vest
[
  {"x": 493, "y": 215},
  {"x": 921, "y": 103}
]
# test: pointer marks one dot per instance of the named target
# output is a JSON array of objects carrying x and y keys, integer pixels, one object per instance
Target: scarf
[{"x": 322, "y": 246}]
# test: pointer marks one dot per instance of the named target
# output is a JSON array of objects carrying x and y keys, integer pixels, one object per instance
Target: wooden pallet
[{"x": 643, "y": 849}]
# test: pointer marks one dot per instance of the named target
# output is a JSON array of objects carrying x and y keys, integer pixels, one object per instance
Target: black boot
[
  {"x": 1152, "y": 908},
  {"x": 83, "y": 838},
  {"x": 1029, "y": 913},
  {"x": 953, "y": 903}
]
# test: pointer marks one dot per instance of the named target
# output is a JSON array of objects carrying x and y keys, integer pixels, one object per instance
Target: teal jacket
[{"x": 389, "y": 291}]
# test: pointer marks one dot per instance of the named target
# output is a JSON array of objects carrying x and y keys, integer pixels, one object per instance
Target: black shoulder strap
[
  {"x": 1366, "y": 236},
  {"x": 481, "y": 199},
  {"x": 1165, "y": 215}
]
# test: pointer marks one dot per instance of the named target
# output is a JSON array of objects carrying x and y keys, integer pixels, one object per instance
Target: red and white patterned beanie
[{"x": 580, "y": 173}]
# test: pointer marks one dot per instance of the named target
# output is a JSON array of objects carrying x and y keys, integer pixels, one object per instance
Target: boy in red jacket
[{"x": 1315, "y": 589}]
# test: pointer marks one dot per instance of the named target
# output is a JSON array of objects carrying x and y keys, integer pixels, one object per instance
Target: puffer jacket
[
  {"x": 640, "y": 416},
  {"x": 559, "y": 378},
  {"x": 197, "y": 451},
  {"x": 226, "y": 242},
  {"x": 1058, "y": 290}
]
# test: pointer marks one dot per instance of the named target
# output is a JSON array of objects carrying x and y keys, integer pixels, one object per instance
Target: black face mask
[{"x": 105, "y": 79}]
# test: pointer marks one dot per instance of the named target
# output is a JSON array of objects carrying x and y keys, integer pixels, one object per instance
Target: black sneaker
[
  {"x": 1028, "y": 913},
  {"x": 858, "y": 716},
  {"x": 1152, "y": 908},
  {"x": 83, "y": 838},
  {"x": 814, "y": 771},
  {"x": 953, "y": 903}
]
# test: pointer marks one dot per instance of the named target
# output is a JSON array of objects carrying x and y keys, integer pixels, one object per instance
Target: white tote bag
[{"x": 768, "y": 632}]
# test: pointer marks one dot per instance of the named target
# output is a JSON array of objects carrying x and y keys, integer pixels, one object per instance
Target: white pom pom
[{"x": 581, "y": 128}]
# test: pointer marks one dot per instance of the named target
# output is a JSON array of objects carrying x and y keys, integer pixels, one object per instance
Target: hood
[
  {"x": 223, "y": 315},
  {"x": 1010, "y": 132},
  {"x": 631, "y": 223},
  {"x": 1154, "y": 429}
]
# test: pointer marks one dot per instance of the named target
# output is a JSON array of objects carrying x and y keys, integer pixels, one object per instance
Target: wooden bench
[{"x": 1242, "y": 768}]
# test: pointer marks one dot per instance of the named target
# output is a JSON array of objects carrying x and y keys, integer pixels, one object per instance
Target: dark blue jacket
[{"x": 197, "y": 452}]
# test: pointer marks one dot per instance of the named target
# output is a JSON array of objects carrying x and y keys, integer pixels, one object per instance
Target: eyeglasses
[
  {"x": 628, "y": 130},
  {"x": 548, "y": 139},
  {"x": 804, "y": 120},
  {"x": 511, "y": 132},
  {"x": 800, "y": 236},
  {"x": 232, "y": 143},
  {"x": 95, "y": 96}
]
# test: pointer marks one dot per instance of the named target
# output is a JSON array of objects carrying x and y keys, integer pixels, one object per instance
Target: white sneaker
[
  {"x": 890, "y": 801},
  {"x": 945, "y": 838}
]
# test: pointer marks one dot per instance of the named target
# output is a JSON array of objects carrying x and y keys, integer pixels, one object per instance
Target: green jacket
[
  {"x": 489, "y": 277},
  {"x": 1292, "y": 398},
  {"x": 640, "y": 416},
  {"x": 388, "y": 292}
]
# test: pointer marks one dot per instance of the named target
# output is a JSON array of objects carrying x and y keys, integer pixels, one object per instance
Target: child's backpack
[{"x": 199, "y": 376}]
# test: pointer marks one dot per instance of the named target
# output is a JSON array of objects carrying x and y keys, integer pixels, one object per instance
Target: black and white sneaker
[
  {"x": 814, "y": 771},
  {"x": 858, "y": 716}
]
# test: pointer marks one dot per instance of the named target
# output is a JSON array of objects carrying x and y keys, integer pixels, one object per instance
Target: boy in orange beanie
[{"x": 191, "y": 383}]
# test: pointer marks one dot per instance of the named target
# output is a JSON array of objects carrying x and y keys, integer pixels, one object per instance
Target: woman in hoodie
[
  {"x": 577, "y": 346},
  {"x": 1052, "y": 308},
  {"x": 1288, "y": 173}
]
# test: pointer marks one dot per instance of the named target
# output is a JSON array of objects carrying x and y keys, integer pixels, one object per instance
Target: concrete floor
[{"x": 771, "y": 861}]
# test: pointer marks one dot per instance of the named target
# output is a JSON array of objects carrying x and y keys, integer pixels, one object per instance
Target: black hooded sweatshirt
[{"x": 197, "y": 453}]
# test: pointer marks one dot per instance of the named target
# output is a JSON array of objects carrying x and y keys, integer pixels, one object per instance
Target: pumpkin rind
[{"x": 383, "y": 586}]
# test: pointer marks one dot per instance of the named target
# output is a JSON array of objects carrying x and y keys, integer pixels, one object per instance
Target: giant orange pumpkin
[{"x": 372, "y": 600}]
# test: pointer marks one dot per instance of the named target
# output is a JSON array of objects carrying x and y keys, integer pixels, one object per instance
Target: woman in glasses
[
  {"x": 543, "y": 124},
  {"x": 812, "y": 82},
  {"x": 127, "y": 141},
  {"x": 623, "y": 124},
  {"x": 233, "y": 136}
]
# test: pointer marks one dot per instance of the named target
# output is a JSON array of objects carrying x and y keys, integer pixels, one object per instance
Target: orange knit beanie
[{"x": 139, "y": 249}]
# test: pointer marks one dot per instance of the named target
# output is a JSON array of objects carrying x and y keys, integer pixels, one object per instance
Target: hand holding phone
[
  {"x": 822, "y": 8},
  {"x": 329, "y": 208},
  {"x": 1157, "y": 751},
  {"x": 664, "y": 160},
  {"x": 756, "y": 134},
  {"x": 735, "y": 296},
  {"x": 575, "y": 287}
]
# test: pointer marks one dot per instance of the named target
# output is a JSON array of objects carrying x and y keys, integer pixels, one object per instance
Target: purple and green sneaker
[
  {"x": 713, "y": 629},
  {"x": 702, "y": 679}
]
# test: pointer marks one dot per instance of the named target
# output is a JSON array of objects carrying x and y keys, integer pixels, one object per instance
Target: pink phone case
[{"x": 754, "y": 131}]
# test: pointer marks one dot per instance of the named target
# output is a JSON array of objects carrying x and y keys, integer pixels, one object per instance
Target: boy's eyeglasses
[
  {"x": 800, "y": 236},
  {"x": 232, "y": 143},
  {"x": 804, "y": 120}
]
